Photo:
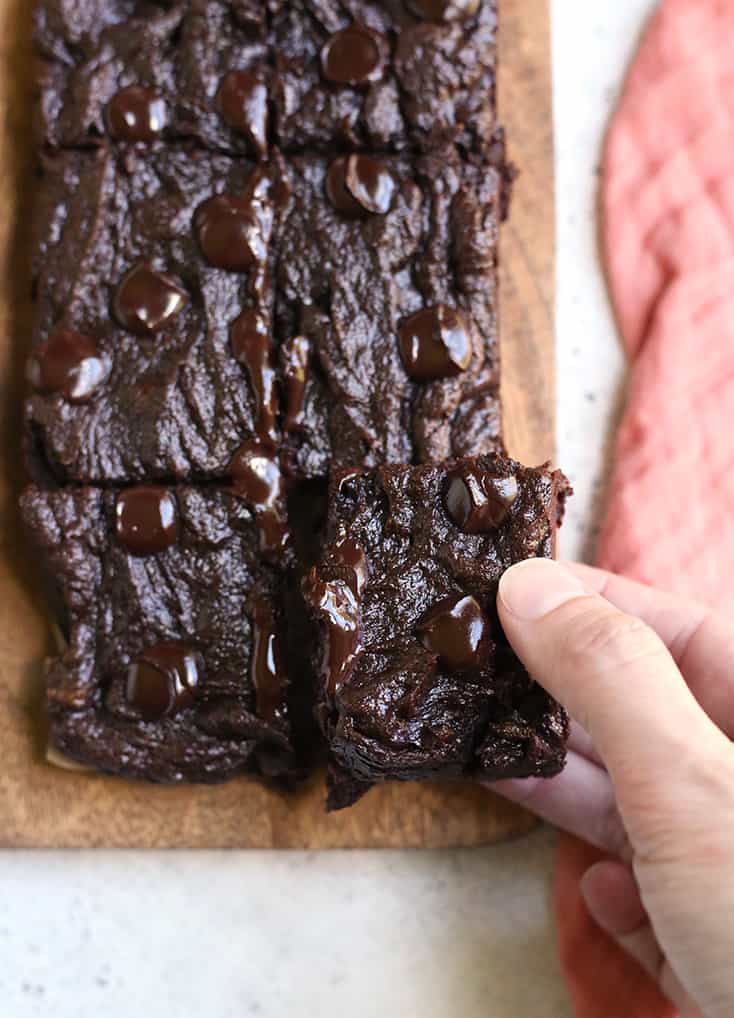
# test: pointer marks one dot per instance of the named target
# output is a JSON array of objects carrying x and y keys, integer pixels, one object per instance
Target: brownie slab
[
  {"x": 172, "y": 667},
  {"x": 388, "y": 76},
  {"x": 386, "y": 310},
  {"x": 151, "y": 354},
  {"x": 134, "y": 71},
  {"x": 418, "y": 680}
]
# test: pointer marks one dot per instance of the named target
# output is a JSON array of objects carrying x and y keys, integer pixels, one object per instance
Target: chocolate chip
[
  {"x": 146, "y": 519},
  {"x": 350, "y": 555},
  {"x": 242, "y": 100},
  {"x": 136, "y": 114},
  {"x": 457, "y": 631},
  {"x": 228, "y": 233},
  {"x": 353, "y": 56},
  {"x": 68, "y": 363},
  {"x": 256, "y": 475},
  {"x": 161, "y": 682},
  {"x": 147, "y": 300},
  {"x": 266, "y": 668},
  {"x": 435, "y": 343},
  {"x": 338, "y": 605},
  {"x": 357, "y": 184},
  {"x": 296, "y": 355},
  {"x": 478, "y": 501},
  {"x": 443, "y": 10},
  {"x": 252, "y": 346}
]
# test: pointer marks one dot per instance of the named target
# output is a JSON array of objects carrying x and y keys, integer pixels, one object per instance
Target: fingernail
[{"x": 532, "y": 589}]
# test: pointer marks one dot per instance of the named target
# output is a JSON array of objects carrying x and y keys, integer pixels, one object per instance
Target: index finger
[{"x": 700, "y": 641}]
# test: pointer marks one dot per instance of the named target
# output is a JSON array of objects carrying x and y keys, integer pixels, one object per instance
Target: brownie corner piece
[
  {"x": 417, "y": 678},
  {"x": 133, "y": 72},
  {"x": 170, "y": 668},
  {"x": 399, "y": 75}
]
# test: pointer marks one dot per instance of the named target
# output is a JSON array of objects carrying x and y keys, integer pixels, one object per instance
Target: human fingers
[
  {"x": 579, "y": 800},
  {"x": 581, "y": 742},
  {"x": 613, "y": 899},
  {"x": 617, "y": 679},
  {"x": 700, "y": 641}
]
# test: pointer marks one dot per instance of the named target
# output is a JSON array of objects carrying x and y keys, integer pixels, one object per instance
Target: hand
[{"x": 649, "y": 681}]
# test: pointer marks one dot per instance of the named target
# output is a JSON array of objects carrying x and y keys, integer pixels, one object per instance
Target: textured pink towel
[
  {"x": 668, "y": 201},
  {"x": 668, "y": 205}
]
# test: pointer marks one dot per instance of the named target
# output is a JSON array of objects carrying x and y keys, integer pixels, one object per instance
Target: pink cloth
[
  {"x": 668, "y": 205},
  {"x": 668, "y": 239}
]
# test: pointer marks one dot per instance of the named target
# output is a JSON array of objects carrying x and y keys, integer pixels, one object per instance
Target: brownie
[
  {"x": 417, "y": 678},
  {"x": 386, "y": 309},
  {"x": 135, "y": 71},
  {"x": 172, "y": 618},
  {"x": 385, "y": 76},
  {"x": 151, "y": 356}
]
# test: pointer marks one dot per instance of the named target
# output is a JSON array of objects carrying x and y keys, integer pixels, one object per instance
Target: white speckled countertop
[{"x": 435, "y": 935}]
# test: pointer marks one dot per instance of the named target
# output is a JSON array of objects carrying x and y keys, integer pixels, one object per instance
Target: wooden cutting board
[{"x": 43, "y": 806}]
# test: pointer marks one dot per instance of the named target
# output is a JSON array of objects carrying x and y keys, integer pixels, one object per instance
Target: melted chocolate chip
[
  {"x": 146, "y": 519},
  {"x": 443, "y": 10},
  {"x": 243, "y": 103},
  {"x": 226, "y": 229},
  {"x": 234, "y": 231},
  {"x": 266, "y": 669},
  {"x": 359, "y": 184},
  {"x": 477, "y": 501},
  {"x": 353, "y": 56},
  {"x": 136, "y": 114},
  {"x": 68, "y": 363},
  {"x": 435, "y": 343},
  {"x": 349, "y": 554},
  {"x": 338, "y": 606},
  {"x": 252, "y": 346},
  {"x": 161, "y": 682},
  {"x": 256, "y": 475},
  {"x": 296, "y": 354},
  {"x": 147, "y": 300},
  {"x": 457, "y": 631}
]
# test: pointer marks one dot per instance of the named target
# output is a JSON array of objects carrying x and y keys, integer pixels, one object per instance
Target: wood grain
[{"x": 44, "y": 806}]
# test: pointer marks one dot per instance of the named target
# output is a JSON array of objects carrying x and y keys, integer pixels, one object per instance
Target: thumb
[{"x": 614, "y": 675}]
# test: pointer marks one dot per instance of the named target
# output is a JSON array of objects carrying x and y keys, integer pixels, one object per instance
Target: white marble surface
[{"x": 450, "y": 934}]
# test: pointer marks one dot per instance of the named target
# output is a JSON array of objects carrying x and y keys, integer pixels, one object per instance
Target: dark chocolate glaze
[
  {"x": 267, "y": 671},
  {"x": 478, "y": 502},
  {"x": 243, "y": 103},
  {"x": 295, "y": 356},
  {"x": 146, "y": 301},
  {"x": 162, "y": 681},
  {"x": 252, "y": 345},
  {"x": 70, "y": 364},
  {"x": 443, "y": 10},
  {"x": 353, "y": 56},
  {"x": 435, "y": 343},
  {"x": 358, "y": 184},
  {"x": 136, "y": 113},
  {"x": 146, "y": 519},
  {"x": 257, "y": 478},
  {"x": 337, "y": 605},
  {"x": 457, "y": 630}
]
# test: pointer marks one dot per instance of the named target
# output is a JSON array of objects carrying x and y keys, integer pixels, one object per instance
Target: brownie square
[
  {"x": 151, "y": 352},
  {"x": 136, "y": 71},
  {"x": 171, "y": 668},
  {"x": 383, "y": 76},
  {"x": 386, "y": 310},
  {"x": 418, "y": 680}
]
